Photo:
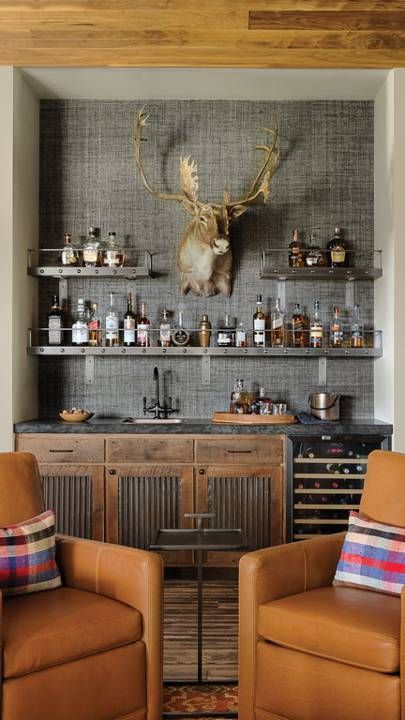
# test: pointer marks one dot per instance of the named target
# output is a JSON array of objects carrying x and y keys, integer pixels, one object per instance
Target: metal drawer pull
[
  {"x": 239, "y": 452},
  {"x": 61, "y": 451}
]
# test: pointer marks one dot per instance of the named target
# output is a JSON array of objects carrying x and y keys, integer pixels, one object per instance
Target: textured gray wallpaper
[{"x": 88, "y": 177}]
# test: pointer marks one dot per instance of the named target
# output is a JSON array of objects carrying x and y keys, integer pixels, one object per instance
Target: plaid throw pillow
[
  {"x": 373, "y": 556},
  {"x": 27, "y": 556}
]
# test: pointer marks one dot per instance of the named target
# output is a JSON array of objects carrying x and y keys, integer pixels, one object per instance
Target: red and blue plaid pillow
[
  {"x": 27, "y": 556},
  {"x": 373, "y": 556}
]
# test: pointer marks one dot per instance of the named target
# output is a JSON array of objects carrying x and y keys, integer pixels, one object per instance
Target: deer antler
[
  {"x": 189, "y": 178},
  {"x": 141, "y": 118},
  {"x": 265, "y": 173}
]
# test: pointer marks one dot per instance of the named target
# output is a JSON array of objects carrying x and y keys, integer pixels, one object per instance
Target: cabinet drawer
[
  {"x": 240, "y": 450},
  {"x": 63, "y": 448},
  {"x": 137, "y": 449}
]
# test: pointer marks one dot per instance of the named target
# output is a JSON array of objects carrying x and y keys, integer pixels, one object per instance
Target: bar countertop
[{"x": 203, "y": 426}]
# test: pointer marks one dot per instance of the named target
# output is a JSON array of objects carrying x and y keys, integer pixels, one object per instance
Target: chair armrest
[
  {"x": 274, "y": 573},
  {"x": 130, "y": 576}
]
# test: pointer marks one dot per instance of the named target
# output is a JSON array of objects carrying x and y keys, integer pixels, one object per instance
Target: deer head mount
[{"x": 204, "y": 256}]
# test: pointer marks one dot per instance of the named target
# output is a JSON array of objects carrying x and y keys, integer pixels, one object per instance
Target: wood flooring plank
[{"x": 327, "y": 20}]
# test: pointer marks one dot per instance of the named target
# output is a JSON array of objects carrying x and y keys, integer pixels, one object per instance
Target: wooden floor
[{"x": 220, "y": 630}]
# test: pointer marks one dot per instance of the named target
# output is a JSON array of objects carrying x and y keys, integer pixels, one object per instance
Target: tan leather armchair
[
  {"x": 312, "y": 651},
  {"x": 92, "y": 649}
]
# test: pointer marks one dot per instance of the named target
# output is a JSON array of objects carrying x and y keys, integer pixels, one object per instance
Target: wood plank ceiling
[{"x": 203, "y": 33}]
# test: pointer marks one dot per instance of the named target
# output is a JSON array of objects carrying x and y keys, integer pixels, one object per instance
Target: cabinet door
[
  {"x": 76, "y": 494},
  {"x": 249, "y": 498},
  {"x": 141, "y": 499}
]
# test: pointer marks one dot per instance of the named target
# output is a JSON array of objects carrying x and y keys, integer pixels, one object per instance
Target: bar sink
[{"x": 152, "y": 421}]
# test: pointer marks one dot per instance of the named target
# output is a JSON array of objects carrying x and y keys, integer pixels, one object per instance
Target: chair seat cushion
[
  {"x": 349, "y": 625},
  {"x": 54, "y": 627}
]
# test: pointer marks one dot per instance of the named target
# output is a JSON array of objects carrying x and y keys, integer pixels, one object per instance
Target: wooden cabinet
[
  {"x": 140, "y": 449},
  {"x": 141, "y": 499},
  {"x": 63, "y": 448},
  {"x": 240, "y": 450}
]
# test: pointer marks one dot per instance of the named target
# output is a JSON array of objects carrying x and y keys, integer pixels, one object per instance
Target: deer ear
[{"x": 236, "y": 211}]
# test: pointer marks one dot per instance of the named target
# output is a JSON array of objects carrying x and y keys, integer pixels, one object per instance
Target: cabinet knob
[
  {"x": 201, "y": 471},
  {"x": 112, "y": 472}
]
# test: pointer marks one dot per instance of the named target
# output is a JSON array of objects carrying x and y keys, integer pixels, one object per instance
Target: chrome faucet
[{"x": 159, "y": 411}]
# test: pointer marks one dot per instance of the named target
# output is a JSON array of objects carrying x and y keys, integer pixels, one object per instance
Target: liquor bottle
[
  {"x": 80, "y": 328},
  {"x": 180, "y": 336},
  {"x": 299, "y": 324},
  {"x": 336, "y": 248},
  {"x": 263, "y": 403},
  {"x": 240, "y": 404},
  {"x": 336, "y": 330},
  {"x": 113, "y": 255},
  {"x": 259, "y": 324},
  {"x": 296, "y": 255},
  {"x": 68, "y": 256},
  {"x": 226, "y": 334},
  {"x": 241, "y": 336},
  {"x": 314, "y": 256},
  {"x": 316, "y": 328},
  {"x": 165, "y": 339},
  {"x": 91, "y": 249},
  {"x": 204, "y": 332},
  {"x": 277, "y": 326},
  {"x": 129, "y": 324},
  {"x": 94, "y": 325},
  {"x": 143, "y": 328},
  {"x": 55, "y": 323},
  {"x": 112, "y": 334},
  {"x": 356, "y": 331}
]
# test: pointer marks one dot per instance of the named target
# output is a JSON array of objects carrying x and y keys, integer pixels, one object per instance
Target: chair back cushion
[
  {"x": 373, "y": 556},
  {"x": 20, "y": 488},
  {"x": 27, "y": 556},
  {"x": 384, "y": 488}
]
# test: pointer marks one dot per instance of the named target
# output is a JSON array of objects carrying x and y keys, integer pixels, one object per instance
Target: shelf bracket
[
  {"x": 89, "y": 370},
  {"x": 322, "y": 371},
  {"x": 281, "y": 293},
  {"x": 206, "y": 370},
  {"x": 349, "y": 293}
]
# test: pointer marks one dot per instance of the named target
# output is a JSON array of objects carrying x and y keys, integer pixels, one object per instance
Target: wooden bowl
[{"x": 76, "y": 416}]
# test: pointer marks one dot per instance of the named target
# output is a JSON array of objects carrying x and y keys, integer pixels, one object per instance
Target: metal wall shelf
[
  {"x": 137, "y": 272},
  {"x": 319, "y": 273},
  {"x": 355, "y": 353}
]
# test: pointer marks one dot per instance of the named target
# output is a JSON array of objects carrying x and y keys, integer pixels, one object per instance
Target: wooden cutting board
[{"x": 235, "y": 419}]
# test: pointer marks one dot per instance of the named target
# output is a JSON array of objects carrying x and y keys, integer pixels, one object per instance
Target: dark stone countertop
[{"x": 204, "y": 426}]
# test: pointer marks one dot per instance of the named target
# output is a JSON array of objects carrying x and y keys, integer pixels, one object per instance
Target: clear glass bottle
[
  {"x": 336, "y": 330},
  {"x": 277, "y": 326},
  {"x": 91, "y": 249},
  {"x": 113, "y": 255},
  {"x": 240, "y": 399},
  {"x": 68, "y": 255},
  {"x": 143, "y": 328},
  {"x": 94, "y": 325},
  {"x": 80, "y": 328},
  {"x": 336, "y": 248},
  {"x": 112, "y": 333},
  {"x": 356, "y": 331},
  {"x": 226, "y": 334},
  {"x": 263, "y": 403},
  {"x": 204, "y": 332},
  {"x": 165, "y": 339},
  {"x": 55, "y": 323},
  {"x": 259, "y": 324},
  {"x": 129, "y": 324},
  {"x": 180, "y": 336},
  {"x": 314, "y": 256},
  {"x": 316, "y": 328},
  {"x": 296, "y": 255},
  {"x": 241, "y": 336},
  {"x": 299, "y": 328}
]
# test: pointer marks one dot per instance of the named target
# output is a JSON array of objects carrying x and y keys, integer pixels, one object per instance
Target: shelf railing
[
  {"x": 361, "y": 265},
  {"x": 43, "y": 262}
]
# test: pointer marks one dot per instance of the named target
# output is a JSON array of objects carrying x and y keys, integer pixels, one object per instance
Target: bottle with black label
[
  {"x": 180, "y": 336},
  {"x": 55, "y": 323},
  {"x": 226, "y": 334},
  {"x": 316, "y": 328},
  {"x": 337, "y": 255},
  {"x": 129, "y": 324}
]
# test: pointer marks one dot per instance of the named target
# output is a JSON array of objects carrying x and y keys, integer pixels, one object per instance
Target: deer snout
[{"x": 220, "y": 245}]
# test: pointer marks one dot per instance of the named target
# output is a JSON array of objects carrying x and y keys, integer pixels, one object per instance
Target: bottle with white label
[
  {"x": 91, "y": 249},
  {"x": 316, "y": 328},
  {"x": 165, "y": 338},
  {"x": 80, "y": 328},
  {"x": 55, "y": 323},
  {"x": 113, "y": 255},
  {"x": 277, "y": 326},
  {"x": 143, "y": 328},
  {"x": 129, "y": 324},
  {"x": 241, "y": 336},
  {"x": 259, "y": 324},
  {"x": 112, "y": 336}
]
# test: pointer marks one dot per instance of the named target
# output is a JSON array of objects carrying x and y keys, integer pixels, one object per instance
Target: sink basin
[{"x": 152, "y": 421}]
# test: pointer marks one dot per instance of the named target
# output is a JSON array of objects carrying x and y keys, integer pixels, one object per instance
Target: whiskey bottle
[
  {"x": 337, "y": 249},
  {"x": 165, "y": 339},
  {"x": 80, "y": 328},
  {"x": 296, "y": 255},
  {"x": 240, "y": 400},
  {"x": 129, "y": 324},
  {"x": 314, "y": 256},
  {"x": 94, "y": 325},
  {"x": 143, "y": 328},
  {"x": 226, "y": 334},
  {"x": 91, "y": 249},
  {"x": 336, "y": 330},
  {"x": 112, "y": 336},
  {"x": 263, "y": 403},
  {"x": 68, "y": 256},
  {"x": 55, "y": 323},
  {"x": 356, "y": 334},
  {"x": 277, "y": 326},
  {"x": 241, "y": 336},
  {"x": 113, "y": 255},
  {"x": 180, "y": 336},
  {"x": 259, "y": 324},
  {"x": 316, "y": 328},
  {"x": 299, "y": 325}
]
